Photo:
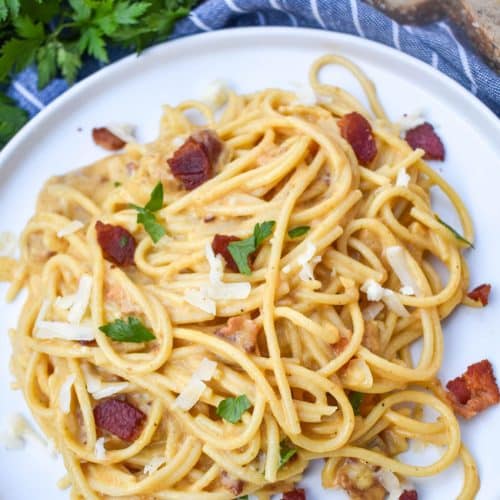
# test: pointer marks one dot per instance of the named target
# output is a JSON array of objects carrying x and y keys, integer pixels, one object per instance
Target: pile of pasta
[{"x": 235, "y": 381}]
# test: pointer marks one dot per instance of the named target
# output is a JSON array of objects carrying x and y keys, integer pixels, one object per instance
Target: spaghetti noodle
[{"x": 338, "y": 291}]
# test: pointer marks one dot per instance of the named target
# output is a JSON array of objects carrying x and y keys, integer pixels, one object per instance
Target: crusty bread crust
[
  {"x": 480, "y": 19},
  {"x": 410, "y": 11}
]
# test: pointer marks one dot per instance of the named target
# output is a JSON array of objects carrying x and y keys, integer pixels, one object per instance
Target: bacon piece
[
  {"x": 474, "y": 391},
  {"x": 459, "y": 389},
  {"x": 340, "y": 345},
  {"x": 106, "y": 139},
  {"x": 193, "y": 162},
  {"x": 211, "y": 144},
  {"x": 119, "y": 418},
  {"x": 88, "y": 343},
  {"x": 242, "y": 331},
  {"x": 357, "y": 131},
  {"x": 219, "y": 246},
  {"x": 235, "y": 486},
  {"x": 409, "y": 495},
  {"x": 296, "y": 494},
  {"x": 481, "y": 293},
  {"x": 117, "y": 244},
  {"x": 425, "y": 137}
]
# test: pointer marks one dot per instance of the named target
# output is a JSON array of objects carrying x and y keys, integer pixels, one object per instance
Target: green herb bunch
[{"x": 57, "y": 35}]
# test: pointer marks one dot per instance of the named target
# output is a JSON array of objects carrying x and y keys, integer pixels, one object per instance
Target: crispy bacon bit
[
  {"x": 106, "y": 139},
  {"x": 409, "y": 495},
  {"x": 459, "y": 389},
  {"x": 242, "y": 331},
  {"x": 357, "y": 131},
  {"x": 474, "y": 391},
  {"x": 425, "y": 137},
  {"x": 481, "y": 293},
  {"x": 119, "y": 418},
  {"x": 193, "y": 162},
  {"x": 359, "y": 480},
  {"x": 219, "y": 246},
  {"x": 235, "y": 486},
  {"x": 88, "y": 343},
  {"x": 211, "y": 144},
  {"x": 296, "y": 494},
  {"x": 117, "y": 244},
  {"x": 340, "y": 345}
]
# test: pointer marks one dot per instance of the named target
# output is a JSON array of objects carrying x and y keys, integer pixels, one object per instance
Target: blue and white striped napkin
[{"x": 436, "y": 43}]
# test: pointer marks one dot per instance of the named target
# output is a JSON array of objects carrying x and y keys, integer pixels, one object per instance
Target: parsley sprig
[
  {"x": 232, "y": 409},
  {"x": 455, "y": 233},
  {"x": 57, "y": 35},
  {"x": 132, "y": 330},
  {"x": 146, "y": 216},
  {"x": 11, "y": 118},
  {"x": 356, "y": 399},
  {"x": 286, "y": 452},
  {"x": 241, "y": 250},
  {"x": 297, "y": 232}
]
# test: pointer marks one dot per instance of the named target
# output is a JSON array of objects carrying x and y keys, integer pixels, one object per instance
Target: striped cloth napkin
[{"x": 436, "y": 43}]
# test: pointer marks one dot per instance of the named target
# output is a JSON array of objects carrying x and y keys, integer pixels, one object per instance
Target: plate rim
[{"x": 485, "y": 113}]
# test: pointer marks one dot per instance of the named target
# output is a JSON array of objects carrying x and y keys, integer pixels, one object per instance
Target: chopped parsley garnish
[
  {"x": 356, "y": 398},
  {"x": 146, "y": 216},
  {"x": 131, "y": 330},
  {"x": 286, "y": 452},
  {"x": 455, "y": 233},
  {"x": 123, "y": 241},
  {"x": 241, "y": 250},
  {"x": 231, "y": 409},
  {"x": 117, "y": 184},
  {"x": 298, "y": 231}
]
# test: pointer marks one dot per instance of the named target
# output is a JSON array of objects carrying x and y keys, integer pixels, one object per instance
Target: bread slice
[
  {"x": 410, "y": 11},
  {"x": 480, "y": 19}
]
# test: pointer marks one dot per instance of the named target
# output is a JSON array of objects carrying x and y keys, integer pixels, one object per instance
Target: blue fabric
[{"x": 437, "y": 43}]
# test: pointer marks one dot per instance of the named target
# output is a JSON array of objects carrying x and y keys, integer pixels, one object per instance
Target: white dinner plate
[{"x": 132, "y": 91}]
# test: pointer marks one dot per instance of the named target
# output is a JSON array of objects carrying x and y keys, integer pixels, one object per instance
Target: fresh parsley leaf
[
  {"x": 156, "y": 200},
  {"x": 241, "y": 250},
  {"x": 123, "y": 241},
  {"x": 146, "y": 216},
  {"x": 286, "y": 452},
  {"x": 298, "y": 231},
  {"x": 68, "y": 62},
  {"x": 12, "y": 119},
  {"x": 16, "y": 54},
  {"x": 244, "y": 497},
  {"x": 57, "y": 34},
  {"x": 131, "y": 330},
  {"x": 262, "y": 231},
  {"x": 27, "y": 28},
  {"x": 9, "y": 7},
  {"x": 151, "y": 225},
  {"x": 81, "y": 11},
  {"x": 457, "y": 235},
  {"x": 92, "y": 42},
  {"x": 47, "y": 64},
  {"x": 231, "y": 409},
  {"x": 117, "y": 184},
  {"x": 130, "y": 12},
  {"x": 356, "y": 398}
]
